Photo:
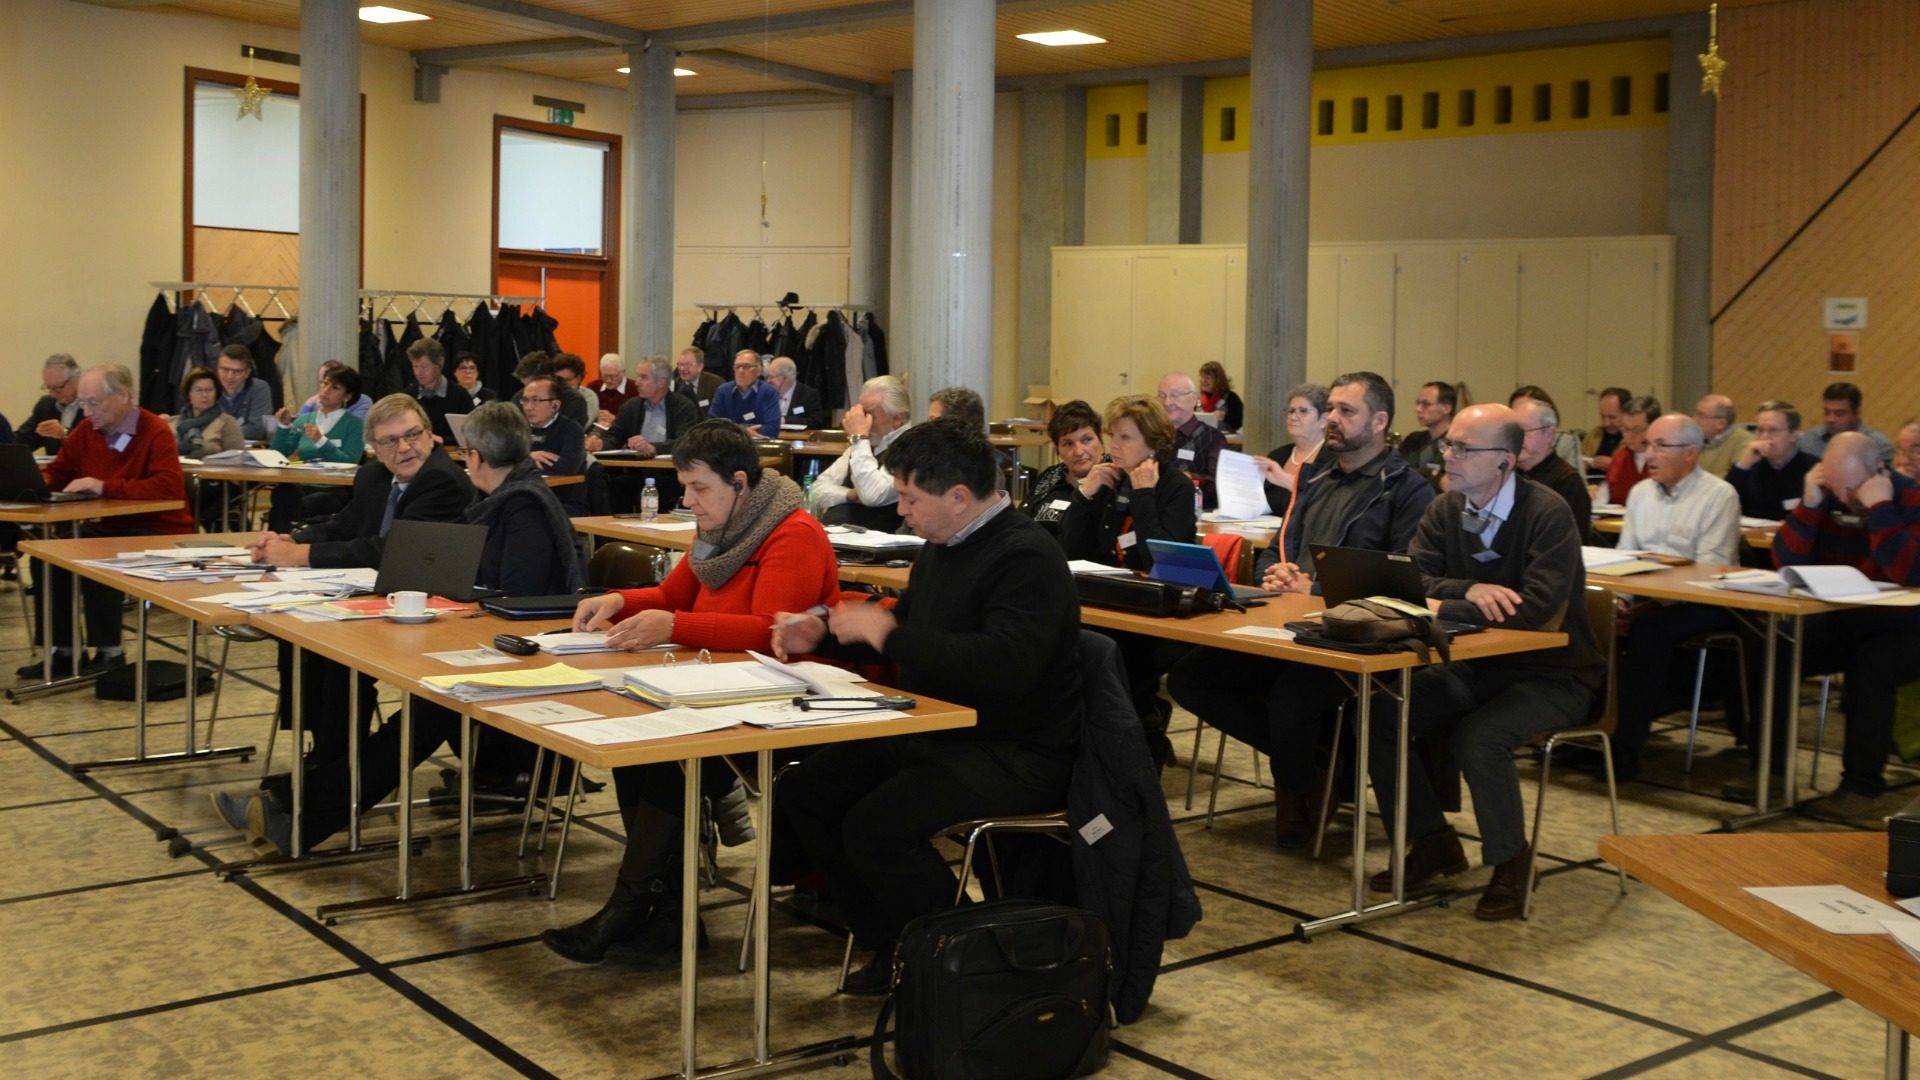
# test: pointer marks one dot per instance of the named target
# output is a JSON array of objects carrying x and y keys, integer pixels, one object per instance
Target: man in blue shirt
[
  {"x": 242, "y": 396},
  {"x": 747, "y": 400}
]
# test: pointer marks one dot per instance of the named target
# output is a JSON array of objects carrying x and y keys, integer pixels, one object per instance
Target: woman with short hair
[
  {"x": 1075, "y": 431},
  {"x": 531, "y": 547},
  {"x": 201, "y": 427}
]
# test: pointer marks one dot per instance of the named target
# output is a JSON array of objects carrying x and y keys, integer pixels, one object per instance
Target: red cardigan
[
  {"x": 793, "y": 570},
  {"x": 1622, "y": 474},
  {"x": 149, "y": 468}
]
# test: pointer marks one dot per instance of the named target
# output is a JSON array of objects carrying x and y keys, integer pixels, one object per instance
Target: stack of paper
[
  {"x": 1088, "y": 566},
  {"x": 358, "y": 578},
  {"x": 665, "y": 724},
  {"x": 263, "y": 457},
  {"x": 1757, "y": 522},
  {"x": 1241, "y": 487},
  {"x": 1615, "y": 563},
  {"x": 849, "y": 537},
  {"x": 786, "y": 714},
  {"x": 561, "y": 644},
  {"x": 1832, "y": 584},
  {"x": 375, "y": 607},
  {"x": 1609, "y": 510},
  {"x": 521, "y": 682},
  {"x": 703, "y": 685}
]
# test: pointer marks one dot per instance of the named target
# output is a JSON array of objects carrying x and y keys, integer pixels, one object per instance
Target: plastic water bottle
[
  {"x": 806, "y": 483},
  {"x": 649, "y": 501},
  {"x": 1199, "y": 498}
]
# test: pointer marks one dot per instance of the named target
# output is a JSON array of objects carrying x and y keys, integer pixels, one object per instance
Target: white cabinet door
[
  {"x": 1093, "y": 326},
  {"x": 1426, "y": 320},
  {"x": 1487, "y": 342},
  {"x": 1626, "y": 311},
  {"x": 1366, "y": 311},
  {"x": 1553, "y": 328}
]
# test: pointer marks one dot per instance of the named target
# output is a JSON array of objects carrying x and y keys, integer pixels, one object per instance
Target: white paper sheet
[
  {"x": 1238, "y": 483},
  {"x": 664, "y": 724},
  {"x": 546, "y": 712},
  {"x": 484, "y": 656},
  {"x": 1833, "y": 908},
  {"x": 1088, "y": 566},
  {"x": 1905, "y": 933},
  {"x": 1274, "y": 633}
]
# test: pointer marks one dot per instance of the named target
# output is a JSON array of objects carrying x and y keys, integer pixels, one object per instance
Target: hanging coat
[
  {"x": 156, "y": 351},
  {"x": 453, "y": 337},
  {"x": 876, "y": 346},
  {"x": 240, "y": 328},
  {"x": 196, "y": 344}
]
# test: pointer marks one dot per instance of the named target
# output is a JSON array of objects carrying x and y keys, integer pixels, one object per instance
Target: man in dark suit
[
  {"x": 648, "y": 424},
  {"x": 799, "y": 403},
  {"x": 691, "y": 377},
  {"x": 437, "y": 393},
  {"x": 410, "y": 479}
]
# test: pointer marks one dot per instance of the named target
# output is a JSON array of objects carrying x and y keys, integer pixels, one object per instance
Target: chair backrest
[
  {"x": 1231, "y": 550},
  {"x": 595, "y": 482},
  {"x": 1600, "y": 613},
  {"x": 621, "y": 564}
]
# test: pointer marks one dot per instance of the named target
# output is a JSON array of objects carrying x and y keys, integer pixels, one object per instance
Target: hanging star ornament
[
  {"x": 1711, "y": 66},
  {"x": 251, "y": 96}
]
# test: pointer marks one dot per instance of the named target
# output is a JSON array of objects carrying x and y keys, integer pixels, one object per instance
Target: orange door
[{"x": 573, "y": 299}]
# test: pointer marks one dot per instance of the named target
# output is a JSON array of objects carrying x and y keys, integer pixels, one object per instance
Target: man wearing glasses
[
  {"x": 559, "y": 444},
  {"x": 56, "y": 413},
  {"x": 746, "y": 400},
  {"x": 1772, "y": 470},
  {"x": 1196, "y": 445},
  {"x": 1680, "y": 509},
  {"x": 1540, "y": 421}
]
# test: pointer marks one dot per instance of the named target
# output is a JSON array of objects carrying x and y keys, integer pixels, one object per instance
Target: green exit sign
[{"x": 563, "y": 117}]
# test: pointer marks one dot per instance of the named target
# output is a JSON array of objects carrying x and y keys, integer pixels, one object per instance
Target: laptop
[
  {"x": 22, "y": 481},
  {"x": 435, "y": 557},
  {"x": 1356, "y": 573},
  {"x": 1197, "y": 566}
]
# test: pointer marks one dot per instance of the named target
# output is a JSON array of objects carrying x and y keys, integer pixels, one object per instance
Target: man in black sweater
[
  {"x": 1502, "y": 551},
  {"x": 990, "y": 620},
  {"x": 1771, "y": 473},
  {"x": 1540, "y": 422}
]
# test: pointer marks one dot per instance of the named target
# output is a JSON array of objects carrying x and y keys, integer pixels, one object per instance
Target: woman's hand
[
  {"x": 643, "y": 631},
  {"x": 1146, "y": 475},
  {"x": 1103, "y": 474},
  {"x": 314, "y": 434},
  {"x": 1273, "y": 472},
  {"x": 795, "y": 635},
  {"x": 598, "y": 612}
]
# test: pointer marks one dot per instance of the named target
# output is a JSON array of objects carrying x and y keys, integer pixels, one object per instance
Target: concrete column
[
  {"x": 1690, "y": 216},
  {"x": 1053, "y": 212},
  {"x": 952, "y": 211},
  {"x": 1282, "y": 80},
  {"x": 868, "y": 231},
  {"x": 646, "y": 295},
  {"x": 330, "y": 181},
  {"x": 1173, "y": 159},
  {"x": 899, "y": 319}
]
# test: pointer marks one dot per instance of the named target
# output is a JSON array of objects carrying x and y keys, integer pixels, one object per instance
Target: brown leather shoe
[
  {"x": 1433, "y": 856},
  {"x": 1506, "y": 893},
  {"x": 1293, "y": 820}
]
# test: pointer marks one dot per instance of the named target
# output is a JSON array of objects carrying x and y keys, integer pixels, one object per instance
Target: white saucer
[{"x": 428, "y": 617}]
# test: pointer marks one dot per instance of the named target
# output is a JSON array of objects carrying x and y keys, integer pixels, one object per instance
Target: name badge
[
  {"x": 1127, "y": 540},
  {"x": 703, "y": 404},
  {"x": 1060, "y": 504},
  {"x": 120, "y": 442},
  {"x": 1184, "y": 455},
  {"x": 1789, "y": 505},
  {"x": 749, "y": 416},
  {"x": 798, "y": 409},
  {"x": 1485, "y": 556}
]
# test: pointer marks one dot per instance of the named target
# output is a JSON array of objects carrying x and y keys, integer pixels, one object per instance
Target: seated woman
[
  {"x": 466, "y": 372},
  {"x": 1307, "y": 427},
  {"x": 757, "y": 552},
  {"x": 530, "y": 551},
  {"x": 201, "y": 427},
  {"x": 1075, "y": 431},
  {"x": 1140, "y": 495},
  {"x": 1217, "y": 396},
  {"x": 326, "y": 430}
]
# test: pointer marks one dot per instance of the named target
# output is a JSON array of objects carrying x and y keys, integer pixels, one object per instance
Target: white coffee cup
[{"x": 407, "y": 604}]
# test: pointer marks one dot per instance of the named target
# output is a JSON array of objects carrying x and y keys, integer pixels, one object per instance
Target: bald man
[
  {"x": 1856, "y": 512},
  {"x": 1722, "y": 440},
  {"x": 1196, "y": 445}
]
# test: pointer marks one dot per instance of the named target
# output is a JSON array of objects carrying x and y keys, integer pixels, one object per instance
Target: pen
[{"x": 818, "y": 611}]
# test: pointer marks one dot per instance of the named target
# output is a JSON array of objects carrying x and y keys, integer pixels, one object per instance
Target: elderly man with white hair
[
  {"x": 856, "y": 489},
  {"x": 1539, "y": 462},
  {"x": 1681, "y": 510},
  {"x": 613, "y": 388},
  {"x": 799, "y": 403},
  {"x": 1196, "y": 445},
  {"x": 1723, "y": 441}
]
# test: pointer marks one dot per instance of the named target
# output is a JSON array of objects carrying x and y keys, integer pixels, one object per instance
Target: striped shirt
[{"x": 1883, "y": 543}]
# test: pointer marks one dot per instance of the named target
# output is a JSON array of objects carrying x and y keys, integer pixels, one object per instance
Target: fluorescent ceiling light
[
  {"x": 380, "y": 13},
  {"x": 624, "y": 70},
  {"x": 678, "y": 73},
  {"x": 1062, "y": 37}
]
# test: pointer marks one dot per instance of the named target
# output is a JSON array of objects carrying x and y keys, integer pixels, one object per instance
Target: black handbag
[
  {"x": 558, "y": 606},
  {"x": 1006, "y": 990},
  {"x": 1160, "y": 599}
]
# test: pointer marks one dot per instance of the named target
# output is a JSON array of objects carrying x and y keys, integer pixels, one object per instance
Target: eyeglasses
[
  {"x": 1175, "y": 395},
  {"x": 92, "y": 403},
  {"x": 1542, "y": 427},
  {"x": 1303, "y": 411},
  {"x": 1448, "y": 446},
  {"x": 1659, "y": 445},
  {"x": 538, "y": 400},
  {"x": 392, "y": 442},
  {"x": 1771, "y": 432}
]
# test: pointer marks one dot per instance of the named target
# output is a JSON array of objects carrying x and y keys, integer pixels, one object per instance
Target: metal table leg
[
  {"x": 1899, "y": 1053},
  {"x": 192, "y": 751},
  {"x": 1763, "y": 810},
  {"x": 690, "y": 917}
]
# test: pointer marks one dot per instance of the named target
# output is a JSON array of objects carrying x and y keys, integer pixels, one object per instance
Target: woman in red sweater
[{"x": 757, "y": 552}]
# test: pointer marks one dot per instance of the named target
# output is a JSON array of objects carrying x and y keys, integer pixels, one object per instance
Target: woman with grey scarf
[{"x": 757, "y": 552}]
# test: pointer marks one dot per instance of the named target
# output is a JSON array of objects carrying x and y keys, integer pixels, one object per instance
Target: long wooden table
[
  {"x": 1688, "y": 584},
  {"x": 1711, "y": 874},
  {"x": 1757, "y": 539}
]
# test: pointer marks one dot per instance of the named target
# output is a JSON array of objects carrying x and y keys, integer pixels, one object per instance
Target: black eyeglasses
[{"x": 1449, "y": 446}]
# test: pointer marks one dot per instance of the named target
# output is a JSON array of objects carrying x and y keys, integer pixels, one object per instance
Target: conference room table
[
  {"x": 179, "y": 597},
  {"x": 1711, "y": 874},
  {"x": 400, "y": 656},
  {"x": 1759, "y": 539},
  {"x": 1692, "y": 584},
  {"x": 46, "y": 520}
]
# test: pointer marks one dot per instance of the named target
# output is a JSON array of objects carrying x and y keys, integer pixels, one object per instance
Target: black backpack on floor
[
  {"x": 166, "y": 681},
  {"x": 1006, "y": 990}
]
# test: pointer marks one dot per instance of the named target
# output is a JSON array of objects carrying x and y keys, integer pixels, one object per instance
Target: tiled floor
[{"x": 125, "y": 961}]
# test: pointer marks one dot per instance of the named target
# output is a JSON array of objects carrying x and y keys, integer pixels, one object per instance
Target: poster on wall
[{"x": 1843, "y": 351}]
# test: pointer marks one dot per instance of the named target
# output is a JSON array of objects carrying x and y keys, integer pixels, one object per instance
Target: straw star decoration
[{"x": 251, "y": 95}]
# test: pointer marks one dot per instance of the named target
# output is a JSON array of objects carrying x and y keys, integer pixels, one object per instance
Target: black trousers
[
  {"x": 329, "y": 788},
  {"x": 1876, "y": 649},
  {"x": 1283, "y": 710},
  {"x": 99, "y": 603},
  {"x": 865, "y": 814},
  {"x": 1647, "y": 663},
  {"x": 324, "y": 692}
]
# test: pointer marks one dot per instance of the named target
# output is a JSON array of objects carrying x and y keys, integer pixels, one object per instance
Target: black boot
[
  {"x": 638, "y": 892},
  {"x": 659, "y": 940}
]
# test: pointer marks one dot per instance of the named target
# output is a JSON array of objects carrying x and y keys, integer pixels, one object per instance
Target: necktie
[{"x": 393, "y": 504}]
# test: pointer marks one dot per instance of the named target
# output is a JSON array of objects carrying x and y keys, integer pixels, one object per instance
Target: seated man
[
  {"x": 647, "y": 424},
  {"x": 1433, "y": 410},
  {"x": 747, "y": 400},
  {"x": 799, "y": 403},
  {"x": 530, "y": 552},
  {"x": 1855, "y": 512},
  {"x": 1488, "y": 709},
  {"x": 1196, "y": 445},
  {"x": 1629, "y": 465},
  {"x": 243, "y": 397},
  {"x": 1540, "y": 419},
  {"x": 1358, "y": 493},
  {"x": 612, "y": 390},
  {"x": 1598, "y": 448},
  {"x": 1771, "y": 472},
  {"x": 990, "y": 592},
  {"x": 439, "y": 396},
  {"x": 58, "y": 410},
  {"x": 1680, "y": 509},
  {"x": 1840, "y": 409},
  {"x": 559, "y": 446},
  {"x": 119, "y": 451},
  {"x": 577, "y": 403},
  {"x": 692, "y": 379},
  {"x": 1726, "y": 440},
  {"x": 1907, "y": 455},
  {"x": 856, "y": 489}
]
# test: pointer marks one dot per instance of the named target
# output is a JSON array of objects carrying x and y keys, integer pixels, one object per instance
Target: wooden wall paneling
[
  {"x": 1486, "y": 355},
  {"x": 1323, "y": 310},
  {"x": 249, "y": 255},
  {"x": 1629, "y": 326},
  {"x": 1426, "y": 321},
  {"x": 1552, "y": 324},
  {"x": 1092, "y": 345},
  {"x": 1157, "y": 348},
  {"x": 1366, "y": 310}
]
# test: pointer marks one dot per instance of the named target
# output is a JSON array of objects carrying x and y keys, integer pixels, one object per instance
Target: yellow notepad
[{"x": 515, "y": 678}]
